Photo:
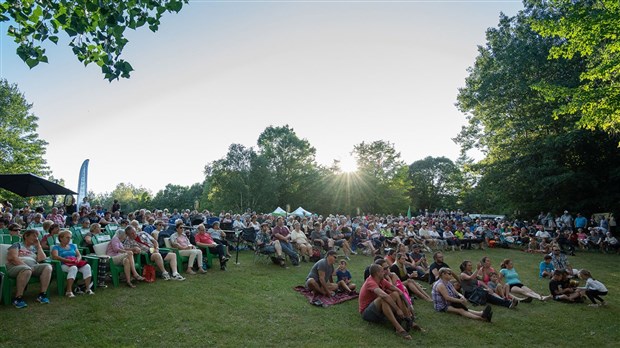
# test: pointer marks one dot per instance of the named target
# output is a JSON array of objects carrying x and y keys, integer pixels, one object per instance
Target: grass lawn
[{"x": 254, "y": 305}]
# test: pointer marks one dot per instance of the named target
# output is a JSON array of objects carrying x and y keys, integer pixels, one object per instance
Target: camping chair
[
  {"x": 111, "y": 229},
  {"x": 8, "y": 239},
  {"x": 180, "y": 259}
]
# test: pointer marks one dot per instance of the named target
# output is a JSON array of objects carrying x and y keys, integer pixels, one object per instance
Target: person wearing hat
[{"x": 567, "y": 220}]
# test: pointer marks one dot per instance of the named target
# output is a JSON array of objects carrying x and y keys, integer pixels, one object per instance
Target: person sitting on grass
[
  {"x": 546, "y": 268},
  {"x": 447, "y": 299},
  {"x": 23, "y": 261},
  {"x": 380, "y": 300},
  {"x": 320, "y": 279},
  {"x": 561, "y": 289},
  {"x": 516, "y": 286},
  {"x": 344, "y": 277},
  {"x": 71, "y": 262},
  {"x": 406, "y": 272},
  {"x": 594, "y": 289},
  {"x": 469, "y": 282},
  {"x": 204, "y": 240}
]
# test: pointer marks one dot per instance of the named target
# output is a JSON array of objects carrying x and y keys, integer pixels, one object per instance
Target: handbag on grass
[
  {"x": 148, "y": 272},
  {"x": 478, "y": 296}
]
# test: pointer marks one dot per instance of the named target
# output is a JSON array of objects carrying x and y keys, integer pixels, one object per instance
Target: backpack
[{"x": 316, "y": 254}]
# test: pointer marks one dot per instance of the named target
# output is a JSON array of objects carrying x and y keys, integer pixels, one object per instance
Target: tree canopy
[
  {"x": 589, "y": 30},
  {"x": 96, "y": 28}
]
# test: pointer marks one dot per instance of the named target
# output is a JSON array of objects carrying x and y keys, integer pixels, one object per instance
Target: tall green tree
[
  {"x": 435, "y": 183},
  {"x": 291, "y": 161},
  {"x": 382, "y": 182},
  {"x": 176, "y": 197},
  {"x": 21, "y": 149},
  {"x": 533, "y": 161},
  {"x": 96, "y": 28},
  {"x": 591, "y": 31}
]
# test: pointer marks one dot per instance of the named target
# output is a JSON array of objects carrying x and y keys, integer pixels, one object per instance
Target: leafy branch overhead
[{"x": 96, "y": 28}]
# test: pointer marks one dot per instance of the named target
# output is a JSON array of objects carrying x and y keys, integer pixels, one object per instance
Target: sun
[{"x": 348, "y": 165}]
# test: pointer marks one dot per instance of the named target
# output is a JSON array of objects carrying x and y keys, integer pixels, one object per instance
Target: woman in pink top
[{"x": 121, "y": 256}]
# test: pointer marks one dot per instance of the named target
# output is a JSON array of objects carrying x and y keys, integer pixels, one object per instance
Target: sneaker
[
  {"x": 190, "y": 272},
  {"x": 513, "y": 303},
  {"x": 165, "y": 276},
  {"x": 177, "y": 276},
  {"x": 19, "y": 303},
  {"x": 70, "y": 294},
  {"x": 43, "y": 299},
  {"x": 353, "y": 252},
  {"x": 90, "y": 292}
]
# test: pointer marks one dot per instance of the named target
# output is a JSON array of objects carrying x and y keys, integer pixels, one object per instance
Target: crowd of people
[{"x": 392, "y": 282}]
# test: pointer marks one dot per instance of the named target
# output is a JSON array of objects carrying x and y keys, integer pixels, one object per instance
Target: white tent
[
  {"x": 279, "y": 212},
  {"x": 301, "y": 212}
]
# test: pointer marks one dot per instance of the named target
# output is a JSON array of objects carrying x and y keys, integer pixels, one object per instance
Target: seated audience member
[
  {"x": 204, "y": 240},
  {"x": 561, "y": 289},
  {"x": 320, "y": 280},
  {"x": 511, "y": 278},
  {"x": 143, "y": 243},
  {"x": 546, "y": 267},
  {"x": 71, "y": 262},
  {"x": 435, "y": 266},
  {"x": 343, "y": 277},
  {"x": 301, "y": 242},
  {"x": 94, "y": 233},
  {"x": 73, "y": 220},
  {"x": 57, "y": 218},
  {"x": 447, "y": 299},
  {"x": 469, "y": 282},
  {"x": 319, "y": 236},
  {"x": 340, "y": 240},
  {"x": 52, "y": 232},
  {"x": 380, "y": 300},
  {"x": 560, "y": 261},
  {"x": 23, "y": 261},
  {"x": 406, "y": 272},
  {"x": 610, "y": 243},
  {"x": 282, "y": 234},
  {"x": 15, "y": 230},
  {"x": 219, "y": 236},
  {"x": 122, "y": 256},
  {"x": 266, "y": 245},
  {"x": 180, "y": 241},
  {"x": 36, "y": 223}
]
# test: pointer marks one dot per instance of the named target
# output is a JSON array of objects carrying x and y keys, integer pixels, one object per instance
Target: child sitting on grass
[
  {"x": 594, "y": 289},
  {"x": 344, "y": 277}
]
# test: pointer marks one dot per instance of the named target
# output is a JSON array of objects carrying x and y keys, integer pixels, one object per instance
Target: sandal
[
  {"x": 139, "y": 278},
  {"x": 69, "y": 294},
  {"x": 131, "y": 285},
  {"x": 404, "y": 334}
]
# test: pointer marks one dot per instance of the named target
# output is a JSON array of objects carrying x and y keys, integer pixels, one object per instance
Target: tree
[
  {"x": 96, "y": 27},
  {"x": 130, "y": 197},
  {"x": 381, "y": 184},
  {"x": 177, "y": 197},
  {"x": 290, "y": 160},
  {"x": 533, "y": 161},
  {"x": 21, "y": 150},
  {"x": 435, "y": 183},
  {"x": 588, "y": 29}
]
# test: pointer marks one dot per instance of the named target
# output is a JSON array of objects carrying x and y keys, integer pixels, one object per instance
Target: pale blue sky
[{"x": 219, "y": 73}]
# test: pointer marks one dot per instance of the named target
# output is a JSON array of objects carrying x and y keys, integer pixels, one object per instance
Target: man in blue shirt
[{"x": 580, "y": 221}]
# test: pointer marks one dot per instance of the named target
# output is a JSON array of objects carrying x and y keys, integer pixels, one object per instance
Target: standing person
[
  {"x": 23, "y": 261},
  {"x": 71, "y": 262},
  {"x": 380, "y": 300},
  {"x": 320, "y": 279},
  {"x": 594, "y": 289},
  {"x": 447, "y": 299},
  {"x": 511, "y": 278}
]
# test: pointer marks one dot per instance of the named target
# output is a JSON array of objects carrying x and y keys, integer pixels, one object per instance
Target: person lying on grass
[{"x": 379, "y": 300}]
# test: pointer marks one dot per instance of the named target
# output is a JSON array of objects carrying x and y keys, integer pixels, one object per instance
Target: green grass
[{"x": 254, "y": 305}]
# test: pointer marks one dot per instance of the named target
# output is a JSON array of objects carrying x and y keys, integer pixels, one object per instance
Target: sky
[{"x": 220, "y": 72}]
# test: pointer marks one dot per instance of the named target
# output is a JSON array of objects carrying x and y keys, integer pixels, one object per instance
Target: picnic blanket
[{"x": 324, "y": 301}]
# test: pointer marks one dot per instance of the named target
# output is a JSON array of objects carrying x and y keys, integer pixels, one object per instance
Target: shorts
[
  {"x": 118, "y": 259},
  {"x": 373, "y": 314},
  {"x": 14, "y": 271},
  {"x": 518, "y": 285},
  {"x": 339, "y": 242}
]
